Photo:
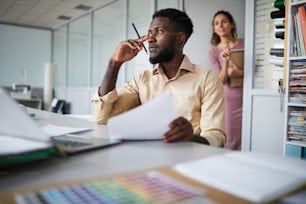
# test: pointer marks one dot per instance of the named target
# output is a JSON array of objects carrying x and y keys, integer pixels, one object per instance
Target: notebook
[
  {"x": 237, "y": 57},
  {"x": 21, "y": 139}
]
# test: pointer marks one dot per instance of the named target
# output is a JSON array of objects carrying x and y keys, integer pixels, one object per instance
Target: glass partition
[
  {"x": 168, "y": 4},
  {"x": 82, "y": 64},
  {"x": 60, "y": 56},
  {"x": 107, "y": 34},
  {"x": 78, "y": 52},
  {"x": 138, "y": 13}
]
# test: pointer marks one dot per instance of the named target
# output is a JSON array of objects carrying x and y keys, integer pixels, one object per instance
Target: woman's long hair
[{"x": 215, "y": 39}]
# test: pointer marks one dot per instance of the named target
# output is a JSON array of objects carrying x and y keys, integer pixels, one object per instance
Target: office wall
[
  {"x": 201, "y": 13},
  {"x": 23, "y": 53}
]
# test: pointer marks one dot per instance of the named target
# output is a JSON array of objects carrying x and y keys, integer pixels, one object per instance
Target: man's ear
[{"x": 181, "y": 38}]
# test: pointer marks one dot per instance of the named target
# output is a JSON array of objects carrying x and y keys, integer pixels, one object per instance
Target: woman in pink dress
[{"x": 224, "y": 39}]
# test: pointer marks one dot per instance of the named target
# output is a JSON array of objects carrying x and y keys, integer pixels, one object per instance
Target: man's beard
[{"x": 164, "y": 55}]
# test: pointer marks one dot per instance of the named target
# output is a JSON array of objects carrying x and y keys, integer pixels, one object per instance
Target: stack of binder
[{"x": 277, "y": 50}]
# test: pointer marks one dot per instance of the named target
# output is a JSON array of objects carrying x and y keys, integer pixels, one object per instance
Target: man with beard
[{"x": 197, "y": 92}]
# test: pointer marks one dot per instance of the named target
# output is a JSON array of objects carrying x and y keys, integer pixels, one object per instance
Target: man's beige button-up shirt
[{"x": 197, "y": 93}]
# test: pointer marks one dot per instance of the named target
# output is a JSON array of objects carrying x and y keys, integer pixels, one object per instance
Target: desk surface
[{"x": 121, "y": 158}]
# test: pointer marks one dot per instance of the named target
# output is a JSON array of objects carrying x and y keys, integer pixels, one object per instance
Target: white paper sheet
[
  {"x": 17, "y": 144},
  {"x": 252, "y": 176},
  {"x": 53, "y": 130},
  {"x": 146, "y": 122},
  {"x": 14, "y": 145}
]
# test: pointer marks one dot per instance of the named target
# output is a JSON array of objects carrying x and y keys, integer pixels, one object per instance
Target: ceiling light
[
  {"x": 83, "y": 7},
  {"x": 62, "y": 17}
]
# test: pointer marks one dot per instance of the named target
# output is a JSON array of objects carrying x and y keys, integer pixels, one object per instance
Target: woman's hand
[
  {"x": 234, "y": 71},
  {"x": 225, "y": 54}
]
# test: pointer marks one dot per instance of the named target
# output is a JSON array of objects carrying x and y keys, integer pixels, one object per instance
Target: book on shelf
[
  {"x": 297, "y": 125},
  {"x": 297, "y": 82},
  {"x": 302, "y": 15},
  {"x": 294, "y": 50},
  {"x": 298, "y": 23}
]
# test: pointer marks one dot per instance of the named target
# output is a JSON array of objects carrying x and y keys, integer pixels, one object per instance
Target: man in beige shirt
[{"x": 197, "y": 92}]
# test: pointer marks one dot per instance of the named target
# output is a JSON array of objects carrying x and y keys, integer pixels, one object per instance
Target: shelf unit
[{"x": 295, "y": 100}]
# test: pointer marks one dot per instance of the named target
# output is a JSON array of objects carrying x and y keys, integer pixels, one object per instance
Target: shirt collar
[{"x": 185, "y": 65}]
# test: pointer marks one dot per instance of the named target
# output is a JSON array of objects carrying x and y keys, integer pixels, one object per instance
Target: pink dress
[{"x": 233, "y": 102}]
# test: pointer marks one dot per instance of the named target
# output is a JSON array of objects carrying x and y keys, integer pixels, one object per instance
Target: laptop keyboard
[{"x": 73, "y": 143}]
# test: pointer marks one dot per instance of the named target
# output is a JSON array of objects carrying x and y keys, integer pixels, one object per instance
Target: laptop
[{"x": 22, "y": 139}]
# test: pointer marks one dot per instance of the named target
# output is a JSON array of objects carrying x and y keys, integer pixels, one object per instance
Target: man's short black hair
[{"x": 179, "y": 18}]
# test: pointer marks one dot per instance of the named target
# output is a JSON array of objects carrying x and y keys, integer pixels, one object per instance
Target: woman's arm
[{"x": 219, "y": 66}]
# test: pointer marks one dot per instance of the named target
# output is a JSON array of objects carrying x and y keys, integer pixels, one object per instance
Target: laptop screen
[{"x": 15, "y": 121}]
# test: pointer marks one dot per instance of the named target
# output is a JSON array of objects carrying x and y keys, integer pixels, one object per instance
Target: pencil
[{"x": 139, "y": 37}]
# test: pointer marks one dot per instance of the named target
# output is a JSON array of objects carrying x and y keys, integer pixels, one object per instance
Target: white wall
[
  {"x": 23, "y": 51},
  {"x": 201, "y": 12}
]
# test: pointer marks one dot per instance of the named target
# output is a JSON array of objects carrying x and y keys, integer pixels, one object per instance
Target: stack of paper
[{"x": 252, "y": 176}]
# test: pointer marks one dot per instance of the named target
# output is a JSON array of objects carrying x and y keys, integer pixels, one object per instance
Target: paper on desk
[
  {"x": 53, "y": 130},
  {"x": 146, "y": 122},
  {"x": 254, "y": 176},
  {"x": 15, "y": 145}
]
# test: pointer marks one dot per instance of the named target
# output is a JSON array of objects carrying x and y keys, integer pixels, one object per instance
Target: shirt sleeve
[
  {"x": 115, "y": 102},
  {"x": 212, "y": 112}
]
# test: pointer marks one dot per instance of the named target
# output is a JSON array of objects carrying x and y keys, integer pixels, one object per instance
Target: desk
[{"x": 121, "y": 158}]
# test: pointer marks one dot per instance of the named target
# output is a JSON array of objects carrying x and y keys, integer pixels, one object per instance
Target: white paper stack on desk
[{"x": 256, "y": 177}]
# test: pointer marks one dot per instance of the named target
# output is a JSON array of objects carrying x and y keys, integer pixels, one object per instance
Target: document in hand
[
  {"x": 146, "y": 122},
  {"x": 253, "y": 176},
  {"x": 237, "y": 57}
]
